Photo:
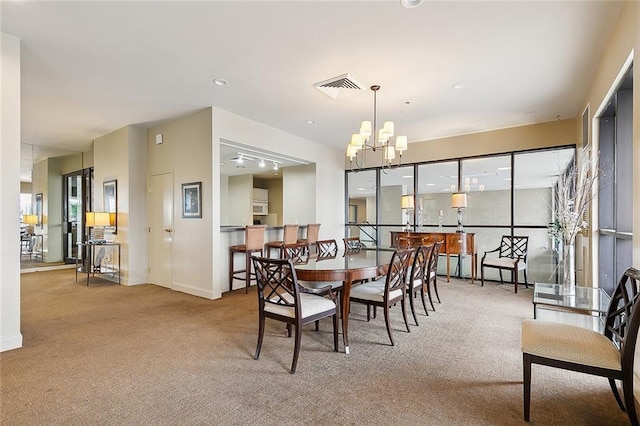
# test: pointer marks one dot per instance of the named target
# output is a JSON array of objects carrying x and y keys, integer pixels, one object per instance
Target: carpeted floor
[{"x": 115, "y": 355}]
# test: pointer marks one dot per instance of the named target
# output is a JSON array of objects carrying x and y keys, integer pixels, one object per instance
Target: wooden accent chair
[
  {"x": 574, "y": 348},
  {"x": 297, "y": 252},
  {"x": 352, "y": 244},
  {"x": 417, "y": 277},
  {"x": 432, "y": 274},
  {"x": 387, "y": 290},
  {"x": 313, "y": 230},
  {"x": 512, "y": 256},
  {"x": 253, "y": 243},
  {"x": 281, "y": 298},
  {"x": 289, "y": 236}
]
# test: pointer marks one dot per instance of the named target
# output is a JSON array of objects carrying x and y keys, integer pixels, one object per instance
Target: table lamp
[
  {"x": 96, "y": 221},
  {"x": 30, "y": 220},
  {"x": 459, "y": 201},
  {"x": 406, "y": 202}
]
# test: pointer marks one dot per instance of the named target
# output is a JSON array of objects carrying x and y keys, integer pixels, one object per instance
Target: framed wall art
[{"x": 192, "y": 200}]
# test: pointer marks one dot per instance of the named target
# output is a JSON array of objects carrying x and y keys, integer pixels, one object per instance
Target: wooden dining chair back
[
  {"x": 313, "y": 230},
  {"x": 512, "y": 256},
  {"x": 609, "y": 354},
  {"x": 432, "y": 274},
  {"x": 297, "y": 252},
  {"x": 417, "y": 278},
  {"x": 352, "y": 244},
  {"x": 387, "y": 290},
  {"x": 281, "y": 298},
  {"x": 327, "y": 248},
  {"x": 253, "y": 243}
]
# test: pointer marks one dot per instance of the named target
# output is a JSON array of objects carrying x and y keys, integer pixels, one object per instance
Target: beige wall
[
  {"x": 186, "y": 151},
  {"x": 121, "y": 155},
  {"x": 299, "y": 194}
]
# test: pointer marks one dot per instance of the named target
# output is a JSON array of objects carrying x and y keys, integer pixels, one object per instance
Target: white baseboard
[{"x": 8, "y": 343}]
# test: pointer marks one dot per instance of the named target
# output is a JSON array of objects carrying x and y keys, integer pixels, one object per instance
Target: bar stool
[
  {"x": 313, "y": 229},
  {"x": 290, "y": 236},
  {"x": 253, "y": 243}
]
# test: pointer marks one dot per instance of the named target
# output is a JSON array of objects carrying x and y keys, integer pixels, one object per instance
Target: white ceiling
[{"x": 91, "y": 67}]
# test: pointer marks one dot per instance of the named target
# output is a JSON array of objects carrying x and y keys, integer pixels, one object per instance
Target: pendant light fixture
[{"x": 371, "y": 138}]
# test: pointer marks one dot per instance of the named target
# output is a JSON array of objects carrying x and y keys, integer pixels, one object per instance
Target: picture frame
[
  {"x": 192, "y": 200},
  {"x": 40, "y": 223},
  {"x": 110, "y": 204}
]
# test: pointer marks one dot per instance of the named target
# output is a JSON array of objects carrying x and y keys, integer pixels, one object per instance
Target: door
[
  {"x": 77, "y": 200},
  {"x": 161, "y": 229}
]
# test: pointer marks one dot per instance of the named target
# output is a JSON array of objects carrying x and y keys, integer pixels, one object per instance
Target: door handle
[{"x": 168, "y": 230}]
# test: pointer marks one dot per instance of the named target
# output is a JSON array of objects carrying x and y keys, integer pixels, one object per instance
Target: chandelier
[{"x": 374, "y": 139}]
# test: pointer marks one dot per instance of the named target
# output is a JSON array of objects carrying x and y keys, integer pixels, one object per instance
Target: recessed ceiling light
[
  {"x": 504, "y": 168},
  {"x": 311, "y": 121},
  {"x": 407, "y": 176},
  {"x": 220, "y": 82},
  {"x": 411, "y": 3},
  {"x": 430, "y": 184},
  {"x": 360, "y": 189},
  {"x": 460, "y": 85}
]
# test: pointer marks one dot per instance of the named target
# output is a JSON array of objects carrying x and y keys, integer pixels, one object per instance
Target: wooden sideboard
[{"x": 455, "y": 243}]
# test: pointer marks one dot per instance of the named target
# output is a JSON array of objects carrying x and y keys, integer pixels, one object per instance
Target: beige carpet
[{"x": 115, "y": 355}]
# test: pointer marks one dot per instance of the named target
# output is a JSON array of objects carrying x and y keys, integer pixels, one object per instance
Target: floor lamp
[{"x": 459, "y": 201}]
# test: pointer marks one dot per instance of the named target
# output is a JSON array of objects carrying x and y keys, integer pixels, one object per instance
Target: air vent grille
[{"x": 334, "y": 86}]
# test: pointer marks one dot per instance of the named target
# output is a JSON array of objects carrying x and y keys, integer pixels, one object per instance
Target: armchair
[{"x": 512, "y": 256}]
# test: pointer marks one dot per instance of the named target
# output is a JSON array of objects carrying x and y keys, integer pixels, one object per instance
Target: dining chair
[
  {"x": 297, "y": 252},
  {"x": 280, "y": 297},
  {"x": 387, "y": 290},
  {"x": 326, "y": 248},
  {"x": 609, "y": 354},
  {"x": 253, "y": 243},
  {"x": 512, "y": 256},
  {"x": 313, "y": 230},
  {"x": 417, "y": 278},
  {"x": 289, "y": 236},
  {"x": 352, "y": 244},
  {"x": 432, "y": 275}
]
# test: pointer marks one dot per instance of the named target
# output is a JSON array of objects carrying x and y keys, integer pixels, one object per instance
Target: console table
[
  {"x": 96, "y": 264},
  {"x": 456, "y": 243}
]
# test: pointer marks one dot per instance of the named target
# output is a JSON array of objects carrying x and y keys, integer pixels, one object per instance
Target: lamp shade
[
  {"x": 406, "y": 202},
  {"x": 459, "y": 200},
  {"x": 30, "y": 219},
  {"x": 97, "y": 219}
]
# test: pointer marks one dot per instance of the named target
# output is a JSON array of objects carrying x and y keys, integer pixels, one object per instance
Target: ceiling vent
[{"x": 339, "y": 86}]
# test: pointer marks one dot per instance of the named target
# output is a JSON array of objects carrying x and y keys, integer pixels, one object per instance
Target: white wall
[
  {"x": 238, "y": 206},
  {"x": 329, "y": 182},
  {"x": 10, "y": 336},
  {"x": 299, "y": 194}
]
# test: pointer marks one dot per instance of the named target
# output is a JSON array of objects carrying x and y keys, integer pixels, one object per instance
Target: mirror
[{"x": 110, "y": 204}]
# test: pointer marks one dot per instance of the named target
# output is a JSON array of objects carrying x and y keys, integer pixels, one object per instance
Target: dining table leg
[{"x": 344, "y": 308}]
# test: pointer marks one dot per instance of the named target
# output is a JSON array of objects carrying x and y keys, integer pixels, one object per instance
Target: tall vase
[{"x": 569, "y": 270}]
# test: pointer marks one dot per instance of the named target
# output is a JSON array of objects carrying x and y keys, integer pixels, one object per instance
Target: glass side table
[{"x": 588, "y": 300}]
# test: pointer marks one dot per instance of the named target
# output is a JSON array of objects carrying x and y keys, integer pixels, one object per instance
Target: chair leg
[
  {"x": 387, "y": 321},
  {"x": 514, "y": 278},
  {"x": 413, "y": 309},
  {"x": 335, "y": 331},
  {"x": 317, "y": 325},
  {"x": 429, "y": 293},
  {"x": 627, "y": 389},
  {"x": 296, "y": 348},
  {"x": 481, "y": 275},
  {"x": 435, "y": 288},
  {"x": 260, "y": 336},
  {"x": 424, "y": 302},
  {"x": 526, "y": 281},
  {"x": 526, "y": 375},
  {"x": 614, "y": 388},
  {"x": 404, "y": 314},
  {"x": 247, "y": 278},
  {"x": 231, "y": 271},
  {"x": 288, "y": 330},
  {"x": 501, "y": 281}
]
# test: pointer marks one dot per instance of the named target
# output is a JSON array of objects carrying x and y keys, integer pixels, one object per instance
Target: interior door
[{"x": 161, "y": 229}]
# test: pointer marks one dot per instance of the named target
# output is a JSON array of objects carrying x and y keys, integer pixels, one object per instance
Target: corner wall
[{"x": 10, "y": 335}]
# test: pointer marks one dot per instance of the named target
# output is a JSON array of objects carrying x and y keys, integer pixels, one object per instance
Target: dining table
[{"x": 348, "y": 267}]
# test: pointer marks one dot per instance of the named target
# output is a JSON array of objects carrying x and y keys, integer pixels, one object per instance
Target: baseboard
[
  {"x": 11, "y": 342},
  {"x": 207, "y": 294}
]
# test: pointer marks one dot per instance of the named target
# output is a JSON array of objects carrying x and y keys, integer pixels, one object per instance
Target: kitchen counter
[{"x": 241, "y": 228}]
